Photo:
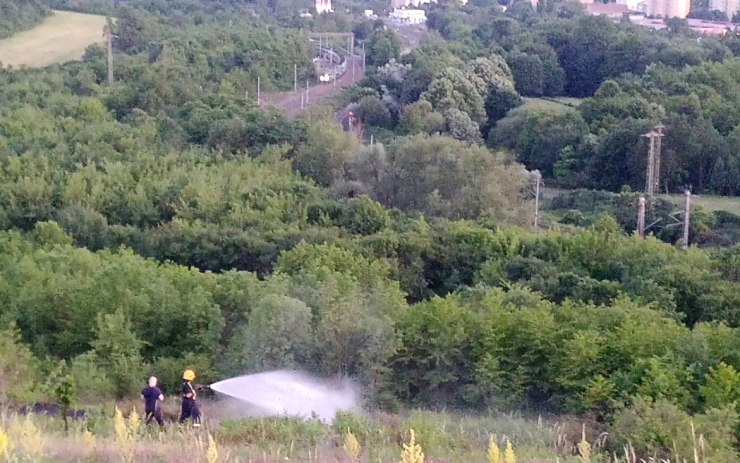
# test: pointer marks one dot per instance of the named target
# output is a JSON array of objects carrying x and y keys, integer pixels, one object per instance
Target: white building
[
  {"x": 408, "y": 17},
  {"x": 396, "y": 4},
  {"x": 632, "y": 5},
  {"x": 728, "y": 7},
  {"x": 668, "y": 8},
  {"x": 323, "y": 6}
]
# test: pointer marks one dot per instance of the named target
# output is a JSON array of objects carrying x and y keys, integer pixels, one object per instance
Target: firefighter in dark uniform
[
  {"x": 190, "y": 408},
  {"x": 152, "y": 397}
]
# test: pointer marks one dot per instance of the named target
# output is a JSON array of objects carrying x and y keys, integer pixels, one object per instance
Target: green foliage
[
  {"x": 442, "y": 169},
  {"x": 92, "y": 383},
  {"x": 382, "y": 47},
  {"x": 662, "y": 429},
  {"x": 17, "y": 15},
  {"x": 722, "y": 386},
  {"x": 17, "y": 368},
  {"x": 276, "y": 336},
  {"x": 325, "y": 154},
  {"x": 118, "y": 350}
]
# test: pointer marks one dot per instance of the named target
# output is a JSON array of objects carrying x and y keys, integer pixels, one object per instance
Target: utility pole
[
  {"x": 295, "y": 77},
  {"x": 537, "y": 180},
  {"x": 686, "y": 219},
  {"x": 109, "y": 37},
  {"x": 164, "y": 59},
  {"x": 652, "y": 176},
  {"x": 306, "y": 92},
  {"x": 658, "y": 147},
  {"x": 258, "y": 91},
  {"x": 641, "y": 217}
]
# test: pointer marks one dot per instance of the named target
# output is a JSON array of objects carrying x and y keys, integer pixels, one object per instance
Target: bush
[
  {"x": 92, "y": 384},
  {"x": 17, "y": 368},
  {"x": 661, "y": 430}
]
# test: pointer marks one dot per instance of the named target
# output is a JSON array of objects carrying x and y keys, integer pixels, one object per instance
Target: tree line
[
  {"x": 18, "y": 15},
  {"x": 627, "y": 79}
]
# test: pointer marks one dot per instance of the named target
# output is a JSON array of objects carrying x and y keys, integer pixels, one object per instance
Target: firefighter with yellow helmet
[{"x": 190, "y": 409}]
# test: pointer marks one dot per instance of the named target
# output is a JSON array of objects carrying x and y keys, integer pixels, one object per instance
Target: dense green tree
[
  {"x": 17, "y": 15},
  {"x": 450, "y": 89},
  {"x": 426, "y": 174},
  {"x": 325, "y": 154},
  {"x": 382, "y": 46}
]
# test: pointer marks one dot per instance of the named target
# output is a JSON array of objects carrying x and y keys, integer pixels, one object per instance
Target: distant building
[
  {"x": 612, "y": 10},
  {"x": 323, "y": 6},
  {"x": 398, "y": 4},
  {"x": 728, "y": 7},
  {"x": 632, "y": 5},
  {"x": 668, "y": 8},
  {"x": 408, "y": 17},
  {"x": 701, "y": 26}
]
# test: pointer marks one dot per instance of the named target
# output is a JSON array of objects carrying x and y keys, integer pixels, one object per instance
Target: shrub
[
  {"x": 17, "y": 368},
  {"x": 662, "y": 430}
]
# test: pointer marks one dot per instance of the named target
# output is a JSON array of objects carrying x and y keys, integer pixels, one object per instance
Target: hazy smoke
[{"x": 291, "y": 393}]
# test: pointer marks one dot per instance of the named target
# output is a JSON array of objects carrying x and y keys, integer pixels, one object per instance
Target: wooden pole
[
  {"x": 307, "y": 93},
  {"x": 109, "y": 37},
  {"x": 687, "y": 220},
  {"x": 658, "y": 147},
  {"x": 258, "y": 91},
  {"x": 537, "y": 179},
  {"x": 295, "y": 77},
  {"x": 641, "y": 217}
]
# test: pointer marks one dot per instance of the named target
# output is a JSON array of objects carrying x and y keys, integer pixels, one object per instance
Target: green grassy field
[
  {"x": 62, "y": 37},
  {"x": 708, "y": 203},
  {"x": 561, "y": 105}
]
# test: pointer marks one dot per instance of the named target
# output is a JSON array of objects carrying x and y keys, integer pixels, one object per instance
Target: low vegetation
[{"x": 414, "y": 437}]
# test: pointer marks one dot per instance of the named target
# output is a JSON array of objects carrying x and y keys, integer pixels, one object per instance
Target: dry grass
[{"x": 62, "y": 37}]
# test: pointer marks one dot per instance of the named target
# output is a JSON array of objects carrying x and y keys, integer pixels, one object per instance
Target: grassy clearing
[
  {"x": 708, "y": 203},
  {"x": 552, "y": 105},
  {"x": 62, "y": 37}
]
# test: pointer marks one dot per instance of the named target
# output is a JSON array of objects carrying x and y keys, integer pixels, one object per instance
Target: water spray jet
[{"x": 292, "y": 393}]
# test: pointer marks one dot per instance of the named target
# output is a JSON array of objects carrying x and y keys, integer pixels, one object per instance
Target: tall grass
[{"x": 433, "y": 438}]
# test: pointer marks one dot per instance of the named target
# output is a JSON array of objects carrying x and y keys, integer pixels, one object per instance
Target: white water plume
[{"x": 292, "y": 393}]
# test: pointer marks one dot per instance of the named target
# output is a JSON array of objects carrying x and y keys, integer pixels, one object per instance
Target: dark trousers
[
  {"x": 154, "y": 414},
  {"x": 190, "y": 409}
]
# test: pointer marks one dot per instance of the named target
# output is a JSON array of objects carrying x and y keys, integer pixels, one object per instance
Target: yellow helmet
[{"x": 188, "y": 375}]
